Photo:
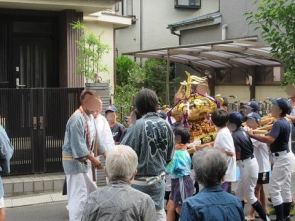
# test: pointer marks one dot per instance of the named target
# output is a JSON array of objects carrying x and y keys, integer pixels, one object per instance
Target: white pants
[
  {"x": 248, "y": 180},
  {"x": 79, "y": 186},
  {"x": 161, "y": 215},
  {"x": 280, "y": 181},
  {"x": 2, "y": 203}
]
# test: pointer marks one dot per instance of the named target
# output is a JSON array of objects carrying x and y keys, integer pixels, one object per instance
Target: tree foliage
[
  {"x": 275, "y": 20},
  {"x": 131, "y": 78},
  {"x": 91, "y": 49},
  {"x": 155, "y": 71},
  {"x": 124, "y": 65}
]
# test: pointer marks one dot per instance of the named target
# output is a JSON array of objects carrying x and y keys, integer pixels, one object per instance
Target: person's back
[
  {"x": 119, "y": 201},
  {"x": 212, "y": 204},
  {"x": 150, "y": 136},
  {"x": 152, "y": 139},
  {"x": 224, "y": 142},
  {"x": 180, "y": 170}
]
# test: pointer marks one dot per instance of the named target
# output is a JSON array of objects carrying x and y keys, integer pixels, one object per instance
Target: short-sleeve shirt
[
  {"x": 225, "y": 141},
  {"x": 262, "y": 155},
  {"x": 180, "y": 165},
  {"x": 243, "y": 143},
  {"x": 280, "y": 132},
  {"x": 118, "y": 131}
]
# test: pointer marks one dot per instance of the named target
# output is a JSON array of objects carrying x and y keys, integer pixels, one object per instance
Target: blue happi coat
[{"x": 6, "y": 152}]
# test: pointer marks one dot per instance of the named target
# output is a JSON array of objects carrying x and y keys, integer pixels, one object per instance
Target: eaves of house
[{"x": 196, "y": 22}]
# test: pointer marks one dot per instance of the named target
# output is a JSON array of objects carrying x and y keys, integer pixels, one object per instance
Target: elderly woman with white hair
[
  {"x": 211, "y": 203},
  {"x": 118, "y": 200}
]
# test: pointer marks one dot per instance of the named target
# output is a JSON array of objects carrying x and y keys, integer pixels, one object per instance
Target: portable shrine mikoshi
[{"x": 195, "y": 106}]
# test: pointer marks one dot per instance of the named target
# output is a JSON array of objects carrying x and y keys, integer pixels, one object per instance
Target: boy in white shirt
[{"x": 224, "y": 142}]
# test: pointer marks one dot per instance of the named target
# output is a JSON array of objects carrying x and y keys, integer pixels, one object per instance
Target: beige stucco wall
[
  {"x": 108, "y": 38},
  {"x": 243, "y": 93},
  {"x": 262, "y": 92}
]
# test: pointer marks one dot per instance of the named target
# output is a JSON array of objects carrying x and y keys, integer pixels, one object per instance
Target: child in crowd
[
  {"x": 178, "y": 122},
  {"x": 262, "y": 155},
  {"x": 118, "y": 130},
  {"x": 247, "y": 163},
  {"x": 224, "y": 142},
  {"x": 179, "y": 168}
]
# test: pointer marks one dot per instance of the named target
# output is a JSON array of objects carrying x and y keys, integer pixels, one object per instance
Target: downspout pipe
[
  {"x": 223, "y": 31},
  {"x": 172, "y": 30},
  {"x": 141, "y": 29}
]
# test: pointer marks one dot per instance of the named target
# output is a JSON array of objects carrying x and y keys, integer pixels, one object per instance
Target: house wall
[
  {"x": 107, "y": 38},
  {"x": 67, "y": 49},
  {"x": 243, "y": 92},
  {"x": 156, "y": 16},
  {"x": 232, "y": 12},
  {"x": 262, "y": 92}
]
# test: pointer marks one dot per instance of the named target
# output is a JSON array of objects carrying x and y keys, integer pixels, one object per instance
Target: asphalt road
[
  {"x": 58, "y": 212},
  {"x": 45, "y": 212}
]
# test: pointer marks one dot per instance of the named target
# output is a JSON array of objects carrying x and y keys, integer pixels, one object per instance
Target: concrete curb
[
  {"x": 34, "y": 199},
  {"x": 32, "y": 184}
]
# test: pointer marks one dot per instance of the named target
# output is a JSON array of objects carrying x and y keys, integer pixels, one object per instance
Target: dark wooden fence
[{"x": 35, "y": 121}]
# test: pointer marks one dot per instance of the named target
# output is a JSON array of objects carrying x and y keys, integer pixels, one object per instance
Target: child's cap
[
  {"x": 252, "y": 105},
  {"x": 254, "y": 116},
  {"x": 111, "y": 108},
  {"x": 236, "y": 118}
]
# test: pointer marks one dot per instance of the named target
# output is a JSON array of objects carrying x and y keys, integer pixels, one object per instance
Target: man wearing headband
[
  {"x": 278, "y": 138},
  {"x": 77, "y": 154}
]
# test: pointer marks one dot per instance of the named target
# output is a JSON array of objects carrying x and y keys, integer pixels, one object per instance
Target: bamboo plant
[{"x": 91, "y": 50}]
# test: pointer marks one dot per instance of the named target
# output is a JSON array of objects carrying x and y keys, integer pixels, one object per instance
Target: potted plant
[{"x": 89, "y": 61}]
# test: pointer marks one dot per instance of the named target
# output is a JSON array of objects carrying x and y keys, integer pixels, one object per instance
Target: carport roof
[{"x": 215, "y": 55}]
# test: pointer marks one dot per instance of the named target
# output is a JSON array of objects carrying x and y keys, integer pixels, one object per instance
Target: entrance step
[{"x": 34, "y": 183}]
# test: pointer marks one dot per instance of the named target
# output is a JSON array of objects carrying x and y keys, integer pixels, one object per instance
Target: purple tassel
[
  {"x": 185, "y": 116},
  {"x": 169, "y": 117},
  {"x": 169, "y": 113}
]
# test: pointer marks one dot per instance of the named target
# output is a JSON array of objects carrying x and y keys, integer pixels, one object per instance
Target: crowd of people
[{"x": 150, "y": 155}]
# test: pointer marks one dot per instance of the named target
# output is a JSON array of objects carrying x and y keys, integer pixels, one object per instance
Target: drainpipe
[
  {"x": 172, "y": 30},
  {"x": 140, "y": 30},
  {"x": 223, "y": 32}
]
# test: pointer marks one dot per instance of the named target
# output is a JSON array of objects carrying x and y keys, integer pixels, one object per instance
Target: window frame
[{"x": 196, "y": 7}]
